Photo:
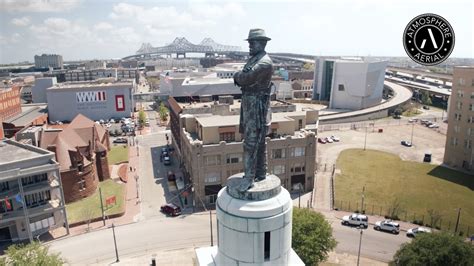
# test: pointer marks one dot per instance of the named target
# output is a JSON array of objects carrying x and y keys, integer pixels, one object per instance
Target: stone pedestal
[{"x": 253, "y": 227}]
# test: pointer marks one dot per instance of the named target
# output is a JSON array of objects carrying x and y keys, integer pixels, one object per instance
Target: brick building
[
  {"x": 10, "y": 104},
  {"x": 81, "y": 150},
  {"x": 210, "y": 148}
]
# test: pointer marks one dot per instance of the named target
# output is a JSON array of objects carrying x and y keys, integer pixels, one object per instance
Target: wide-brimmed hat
[{"x": 257, "y": 34}]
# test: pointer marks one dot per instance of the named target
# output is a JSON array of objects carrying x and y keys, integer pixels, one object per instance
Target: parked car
[
  {"x": 424, "y": 121},
  {"x": 387, "y": 225},
  {"x": 167, "y": 160},
  {"x": 427, "y": 158},
  {"x": 433, "y": 125},
  {"x": 356, "y": 219},
  {"x": 321, "y": 140},
  {"x": 171, "y": 176},
  {"x": 170, "y": 209},
  {"x": 120, "y": 140},
  {"x": 412, "y": 232},
  {"x": 335, "y": 138},
  {"x": 412, "y": 120},
  {"x": 406, "y": 143},
  {"x": 426, "y": 107},
  {"x": 328, "y": 140},
  {"x": 112, "y": 121}
]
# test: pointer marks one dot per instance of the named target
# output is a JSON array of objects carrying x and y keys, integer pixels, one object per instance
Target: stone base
[
  {"x": 261, "y": 190},
  {"x": 206, "y": 256}
]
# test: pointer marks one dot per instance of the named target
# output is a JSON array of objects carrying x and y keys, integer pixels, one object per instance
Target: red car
[
  {"x": 171, "y": 209},
  {"x": 321, "y": 140}
]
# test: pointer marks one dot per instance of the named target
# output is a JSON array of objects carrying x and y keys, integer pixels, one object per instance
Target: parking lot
[{"x": 425, "y": 140}]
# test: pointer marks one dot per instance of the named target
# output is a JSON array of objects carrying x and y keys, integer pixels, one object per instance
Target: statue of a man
[{"x": 255, "y": 114}]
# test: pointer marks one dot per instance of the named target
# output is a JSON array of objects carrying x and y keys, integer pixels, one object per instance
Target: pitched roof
[{"x": 81, "y": 132}]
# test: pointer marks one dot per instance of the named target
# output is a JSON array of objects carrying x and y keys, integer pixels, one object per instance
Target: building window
[
  {"x": 458, "y": 105},
  {"x": 29, "y": 180},
  {"x": 456, "y": 129},
  {"x": 472, "y": 95},
  {"x": 341, "y": 87},
  {"x": 460, "y": 93},
  {"x": 227, "y": 137},
  {"x": 278, "y": 169},
  {"x": 300, "y": 123},
  {"x": 212, "y": 199},
  {"x": 472, "y": 83},
  {"x": 234, "y": 158},
  {"x": 38, "y": 198},
  {"x": 461, "y": 81},
  {"x": 467, "y": 143},
  {"x": 298, "y": 167},
  {"x": 454, "y": 141},
  {"x": 278, "y": 154},
  {"x": 297, "y": 151},
  {"x": 212, "y": 160},
  {"x": 4, "y": 186},
  {"x": 469, "y": 130},
  {"x": 82, "y": 184},
  {"x": 457, "y": 117},
  {"x": 4, "y": 208},
  {"x": 212, "y": 177}
]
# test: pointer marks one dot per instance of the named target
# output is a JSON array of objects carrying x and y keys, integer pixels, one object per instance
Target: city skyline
[{"x": 82, "y": 29}]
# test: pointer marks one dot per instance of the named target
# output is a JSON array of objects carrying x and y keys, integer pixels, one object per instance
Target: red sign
[
  {"x": 119, "y": 102},
  {"x": 110, "y": 200}
]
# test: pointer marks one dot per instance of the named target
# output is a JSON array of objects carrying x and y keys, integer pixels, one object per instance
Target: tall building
[
  {"x": 459, "y": 139},
  {"x": 349, "y": 84},
  {"x": 49, "y": 60},
  {"x": 211, "y": 148},
  {"x": 32, "y": 198}
]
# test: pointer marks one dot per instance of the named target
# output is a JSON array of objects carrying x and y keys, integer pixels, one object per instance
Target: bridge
[{"x": 180, "y": 46}]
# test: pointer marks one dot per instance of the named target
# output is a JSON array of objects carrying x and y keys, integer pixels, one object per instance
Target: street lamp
[
  {"x": 136, "y": 183},
  {"x": 115, "y": 244},
  {"x": 361, "y": 229},
  {"x": 457, "y": 220}
]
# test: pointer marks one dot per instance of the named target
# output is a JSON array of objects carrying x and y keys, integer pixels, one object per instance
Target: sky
[{"x": 106, "y": 29}]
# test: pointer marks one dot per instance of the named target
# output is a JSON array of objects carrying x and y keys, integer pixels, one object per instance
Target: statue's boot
[{"x": 245, "y": 184}]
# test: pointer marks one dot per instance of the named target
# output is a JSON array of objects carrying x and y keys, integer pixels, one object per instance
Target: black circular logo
[{"x": 428, "y": 39}]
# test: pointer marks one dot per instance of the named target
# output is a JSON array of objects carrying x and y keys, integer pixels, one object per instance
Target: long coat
[{"x": 255, "y": 80}]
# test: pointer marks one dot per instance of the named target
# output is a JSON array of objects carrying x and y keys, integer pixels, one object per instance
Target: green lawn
[
  {"x": 117, "y": 154},
  {"x": 90, "y": 207},
  {"x": 418, "y": 187}
]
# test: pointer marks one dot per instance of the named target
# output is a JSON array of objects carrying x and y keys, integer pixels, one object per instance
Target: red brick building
[
  {"x": 10, "y": 104},
  {"x": 81, "y": 150}
]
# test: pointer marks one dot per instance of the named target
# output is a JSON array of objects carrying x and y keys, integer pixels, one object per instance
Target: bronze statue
[{"x": 255, "y": 113}]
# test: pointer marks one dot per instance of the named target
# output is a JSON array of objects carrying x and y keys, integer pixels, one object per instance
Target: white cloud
[
  {"x": 212, "y": 11},
  {"x": 22, "y": 22},
  {"x": 38, "y": 5},
  {"x": 102, "y": 26}
]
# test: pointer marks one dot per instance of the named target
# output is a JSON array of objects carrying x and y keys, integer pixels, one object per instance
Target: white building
[
  {"x": 49, "y": 60},
  {"x": 349, "y": 84},
  {"x": 38, "y": 91},
  {"x": 95, "y": 64}
]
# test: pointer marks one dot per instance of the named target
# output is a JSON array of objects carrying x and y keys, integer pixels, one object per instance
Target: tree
[
  {"x": 395, "y": 207},
  {"x": 435, "y": 249},
  {"x": 397, "y": 113},
  {"x": 312, "y": 236},
  {"x": 30, "y": 254},
  {"x": 163, "y": 111},
  {"x": 141, "y": 118},
  {"x": 425, "y": 98}
]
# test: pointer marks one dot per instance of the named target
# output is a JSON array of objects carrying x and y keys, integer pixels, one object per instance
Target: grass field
[
  {"x": 417, "y": 187},
  {"x": 89, "y": 207},
  {"x": 118, "y": 154}
]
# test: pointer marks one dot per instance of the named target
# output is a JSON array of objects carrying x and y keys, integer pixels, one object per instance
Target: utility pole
[
  {"x": 136, "y": 183},
  {"x": 457, "y": 221},
  {"x": 362, "y": 200},
  {"x": 365, "y": 139},
  {"x": 102, "y": 205},
  {"x": 210, "y": 221},
  {"x": 360, "y": 244},
  {"x": 412, "y": 129},
  {"x": 115, "y": 244}
]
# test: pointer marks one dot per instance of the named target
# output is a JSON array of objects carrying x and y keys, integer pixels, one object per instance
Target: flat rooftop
[
  {"x": 235, "y": 105},
  {"x": 80, "y": 85},
  {"x": 11, "y": 151},
  {"x": 234, "y": 120}
]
